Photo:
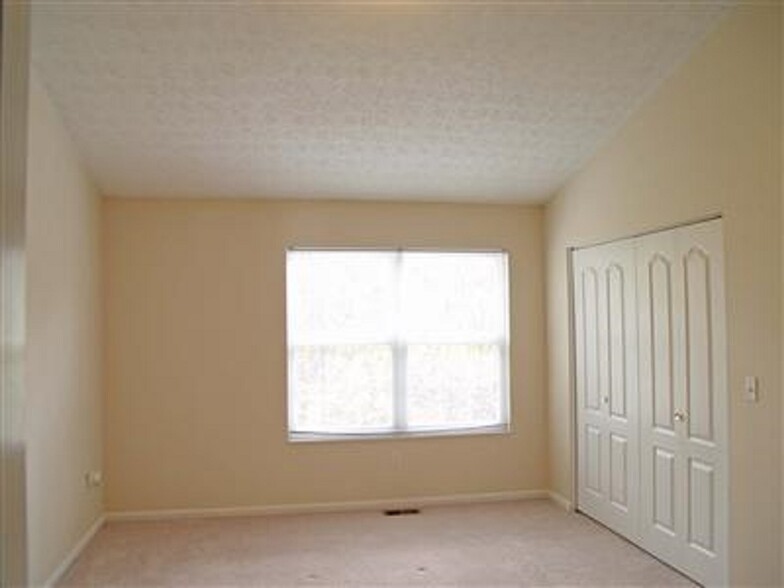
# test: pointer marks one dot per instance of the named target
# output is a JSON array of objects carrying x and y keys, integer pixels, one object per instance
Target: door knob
[
  {"x": 606, "y": 399},
  {"x": 679, "y": 417}
]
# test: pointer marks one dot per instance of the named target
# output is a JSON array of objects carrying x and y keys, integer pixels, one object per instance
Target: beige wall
[
  {"x": 196, "y": 356},
  {"x": 707, "y": 142},
  {"x": 63, "y": 362}
]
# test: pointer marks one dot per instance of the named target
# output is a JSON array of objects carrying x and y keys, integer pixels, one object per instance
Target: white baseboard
[
  {"x": 324, "y": 507},
  {"x": 60, "y": 571},
  {"x": 319, "y": 507},
  {"x": 560, "y": 500}
]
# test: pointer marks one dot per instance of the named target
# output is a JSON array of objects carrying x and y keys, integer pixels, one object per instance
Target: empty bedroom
[{"x": 371, "y": 293}]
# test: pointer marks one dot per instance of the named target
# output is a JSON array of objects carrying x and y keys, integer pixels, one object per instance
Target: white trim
[
  {"x": 660, "y": 229},
  {"x": 302, "y": 437},
  {"x": 399, "y": 354},
  {"x": 60, "y": 571},
  {"x": 324, "y": 507},
  {"x": 560, "y": 500},
  {"x": 572, "y": 379},
  {"x": 392, "y": 249}
]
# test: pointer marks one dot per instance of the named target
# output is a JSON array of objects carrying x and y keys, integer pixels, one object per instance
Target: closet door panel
[
  {"x": 605, "y": 331},
  {"x": 619, "y": 471},
  {"x": 617, "y": 318},
  {"x": 660, "y": 346},
  {"x": 592, "y": 483},
  {"x": 683, "y": 399},
  {"x": 705, "y": 431},
  {"x": 593, "y": 460},
  {"x": 702, "y": 506},
  {"x": 699, "y": 346},
  {"x": 661, "y": 367},
  {"x": 621, "y": 395},
  {"x": 591, "y": 344},
  {"x": 663, "y": 516}
]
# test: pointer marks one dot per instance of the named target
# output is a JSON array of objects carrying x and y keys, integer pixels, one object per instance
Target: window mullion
[
  {"x": 400, "y": 352},
  {"x": 401, "y": 418}
]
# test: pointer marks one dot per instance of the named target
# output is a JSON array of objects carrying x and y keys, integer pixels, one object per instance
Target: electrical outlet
[
  {"x": 93, "y": 479},
  {"x": 750, "y": 389}
]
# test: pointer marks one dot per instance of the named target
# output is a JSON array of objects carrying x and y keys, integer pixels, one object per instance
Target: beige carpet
[{"x": 514, "y": 543}]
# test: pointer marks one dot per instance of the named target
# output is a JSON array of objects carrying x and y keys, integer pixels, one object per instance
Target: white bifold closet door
[{"x": 655, "y": 471}]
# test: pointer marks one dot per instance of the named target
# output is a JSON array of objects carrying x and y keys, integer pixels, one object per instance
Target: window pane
[
  {"x": 358, "y": 319},
  {"x": 454, "y": 297},
  {"x": 452, "y": 386},
  {"x": 341, "y": 388},
  {"x": 341, "y": 296}
]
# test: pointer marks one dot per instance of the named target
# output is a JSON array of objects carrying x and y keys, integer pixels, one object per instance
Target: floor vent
[{"x": 396, "y": 512}]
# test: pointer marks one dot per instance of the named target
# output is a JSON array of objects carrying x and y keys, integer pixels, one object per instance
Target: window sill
[{"x": 468, "y": 432}]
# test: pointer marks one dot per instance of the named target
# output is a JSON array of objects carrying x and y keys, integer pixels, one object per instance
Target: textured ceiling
[{"x": 431, "y": 101}]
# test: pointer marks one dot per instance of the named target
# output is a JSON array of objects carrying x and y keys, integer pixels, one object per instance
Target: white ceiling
[{"x": 461, "y": 101}]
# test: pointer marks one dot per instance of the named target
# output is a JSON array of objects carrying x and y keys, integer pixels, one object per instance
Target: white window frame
[{"x": 400, "y": 428}]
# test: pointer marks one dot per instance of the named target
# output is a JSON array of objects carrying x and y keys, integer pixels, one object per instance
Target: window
[{"x": 396, "y": 342}]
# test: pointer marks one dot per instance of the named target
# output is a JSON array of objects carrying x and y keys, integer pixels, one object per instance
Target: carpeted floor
[{"x": 529, "y": 542}]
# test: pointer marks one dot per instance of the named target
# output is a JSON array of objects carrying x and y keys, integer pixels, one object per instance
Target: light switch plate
[{"x": 750, "y": 389}]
